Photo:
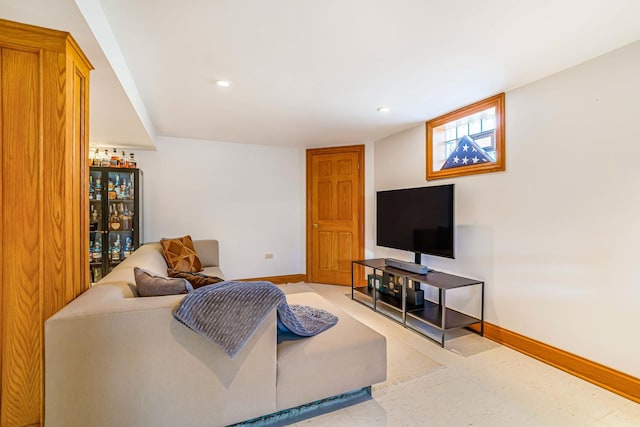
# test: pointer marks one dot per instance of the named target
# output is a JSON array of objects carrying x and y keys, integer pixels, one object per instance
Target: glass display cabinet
[{"x": 115, "y": 217}]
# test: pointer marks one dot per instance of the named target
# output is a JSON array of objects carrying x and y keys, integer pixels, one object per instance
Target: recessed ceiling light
[
  {"x": 384, "y": 109},
  {"x": 223, "y": 83}
]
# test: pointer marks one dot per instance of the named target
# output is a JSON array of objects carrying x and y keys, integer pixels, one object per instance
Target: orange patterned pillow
[{"x": 180, "y": 254}]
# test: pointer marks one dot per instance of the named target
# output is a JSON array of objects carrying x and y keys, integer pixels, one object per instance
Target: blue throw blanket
[{"x": 229, "y": 313}]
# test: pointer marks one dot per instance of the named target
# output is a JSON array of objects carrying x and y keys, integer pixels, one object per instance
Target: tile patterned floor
[{"x": 471, "y": 382}]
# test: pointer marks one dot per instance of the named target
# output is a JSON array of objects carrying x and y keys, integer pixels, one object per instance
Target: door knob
[{"x": 315, "y": 225}]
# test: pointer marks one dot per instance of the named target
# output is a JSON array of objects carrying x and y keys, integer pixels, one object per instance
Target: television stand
[{"x": 429, "y": 319}]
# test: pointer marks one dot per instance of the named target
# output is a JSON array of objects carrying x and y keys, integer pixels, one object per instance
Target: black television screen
[{"x": 419, "y": 220}]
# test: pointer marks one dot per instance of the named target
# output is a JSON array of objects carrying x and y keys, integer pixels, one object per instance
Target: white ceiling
[{"x": 313, "y": 72}]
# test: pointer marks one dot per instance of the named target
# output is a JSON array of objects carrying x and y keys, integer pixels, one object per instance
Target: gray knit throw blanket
[{"x": 229, "y": 313}]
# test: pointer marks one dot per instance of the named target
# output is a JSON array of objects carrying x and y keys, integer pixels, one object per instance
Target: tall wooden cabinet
[{"x": 44, "y": 129}]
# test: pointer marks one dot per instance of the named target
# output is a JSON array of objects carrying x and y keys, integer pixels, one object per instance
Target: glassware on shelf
[
  {"x": 97, "y": 249},
  {"x": 128, "y": 247}
]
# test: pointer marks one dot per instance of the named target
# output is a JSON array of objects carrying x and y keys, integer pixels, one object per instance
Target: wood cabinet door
[
  {"x": 44, "y": 85},
  {"x": 335, "y": 213}
]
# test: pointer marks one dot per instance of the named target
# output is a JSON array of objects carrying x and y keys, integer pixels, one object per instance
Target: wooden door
[{"x": 335, "y": 213}]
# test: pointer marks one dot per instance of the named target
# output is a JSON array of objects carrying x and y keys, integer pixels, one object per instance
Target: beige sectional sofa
[{"x": 115, "y": 359}]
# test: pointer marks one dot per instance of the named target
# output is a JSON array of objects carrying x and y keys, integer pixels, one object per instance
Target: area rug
[
  {"x": 467, "y": 343},
  {"x": 404, "y": 363}
]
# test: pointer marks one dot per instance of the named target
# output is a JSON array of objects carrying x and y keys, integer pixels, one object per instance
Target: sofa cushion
[
  {"x": 150, "y": 285},
  {"x": 181, "y": 254},
  {"x": 197, "y": 280},
  {"x": 348, "y": 356}
]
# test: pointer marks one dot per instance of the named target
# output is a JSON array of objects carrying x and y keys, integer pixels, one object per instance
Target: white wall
[
  {"x": 556, "y": 236},
  {"x": 249, "y": 197}
]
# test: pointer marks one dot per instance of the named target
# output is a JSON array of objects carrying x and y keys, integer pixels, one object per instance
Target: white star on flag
[{"x": 463, "y": 145}]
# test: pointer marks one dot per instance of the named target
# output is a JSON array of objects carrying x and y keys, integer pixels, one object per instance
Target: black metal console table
[{"x": 434, "y": 314}]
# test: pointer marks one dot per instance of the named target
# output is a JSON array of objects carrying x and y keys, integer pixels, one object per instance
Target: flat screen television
[{"x": 419, "y": 220}]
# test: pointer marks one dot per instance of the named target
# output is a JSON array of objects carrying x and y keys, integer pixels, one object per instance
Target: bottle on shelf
[
  {"x": 98, "y": 188},
  {"x": 90, "y": 250},
  {"x": 96, "y": 274},
  {"x": 115, "y": 159},
  {"x": 131, "y": 187},
  {"x": 116, "y": 186},
  {"x": 105, "y": 160},
  {"x": 115, "y": 250},
  {"x": 124, "y": 193},
  {"x": 111, "y": 189},
  {"x": 125, "y": 217},
  {"x": 121, "y": 217},
  {"x": 93, "y": 157},
  {"x": 91, "y": 188},
  {"x": 97, "y": 250},
  {"x": 114, "y": 218},
  {"x": 128, "y": 247},
  {"x": 131, "y": 162}
]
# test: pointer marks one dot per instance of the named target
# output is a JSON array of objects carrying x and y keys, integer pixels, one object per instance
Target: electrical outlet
[{"x": 268, "y": 256}]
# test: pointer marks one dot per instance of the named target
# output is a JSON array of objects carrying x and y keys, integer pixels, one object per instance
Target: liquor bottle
[
  {"x": 128, "y": 247},
  {"x": 121, "y": 218},
  {"x": 126, "y": 219},
  {"x": 116, "y": 187},
  {"x": 97, "y": 250},
  {"x": 91, "y": 188},
  {"x": 123, "y": 159},
  {"x": 111, "y": 190},
  {"x": 115, "y": 251},
  {"x": 124, "y": 193},
  {"x": 98, "y": 188},
  {"x": 97, "y": 274},
  {"x": 131, "y": 187},
  {"x": 105, "y": 160},
  {"x": 131, "y": 163},
  {"x": 114, "y": 222},
  {"x": 115, "y": 159}
]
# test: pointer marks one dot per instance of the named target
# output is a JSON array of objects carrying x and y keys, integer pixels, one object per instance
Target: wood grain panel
[
  {"x": 345, "y": 251},
  {"x": 325, "y": 201},
  {"x": 44, "y": 84},
  {"x": 324, "y": 168},
  {"x": 325, "y": 250},
  {"x": 22, "y": 206},
  {"x": 344, "y": 211},
  {"x": 344, "y": 167},
  {"x": 81, "y": 172},
  {"x": 54, "y": 178}
]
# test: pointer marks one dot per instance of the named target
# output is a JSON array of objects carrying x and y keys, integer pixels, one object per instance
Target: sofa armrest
[{"x": 143, "y": 367}]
